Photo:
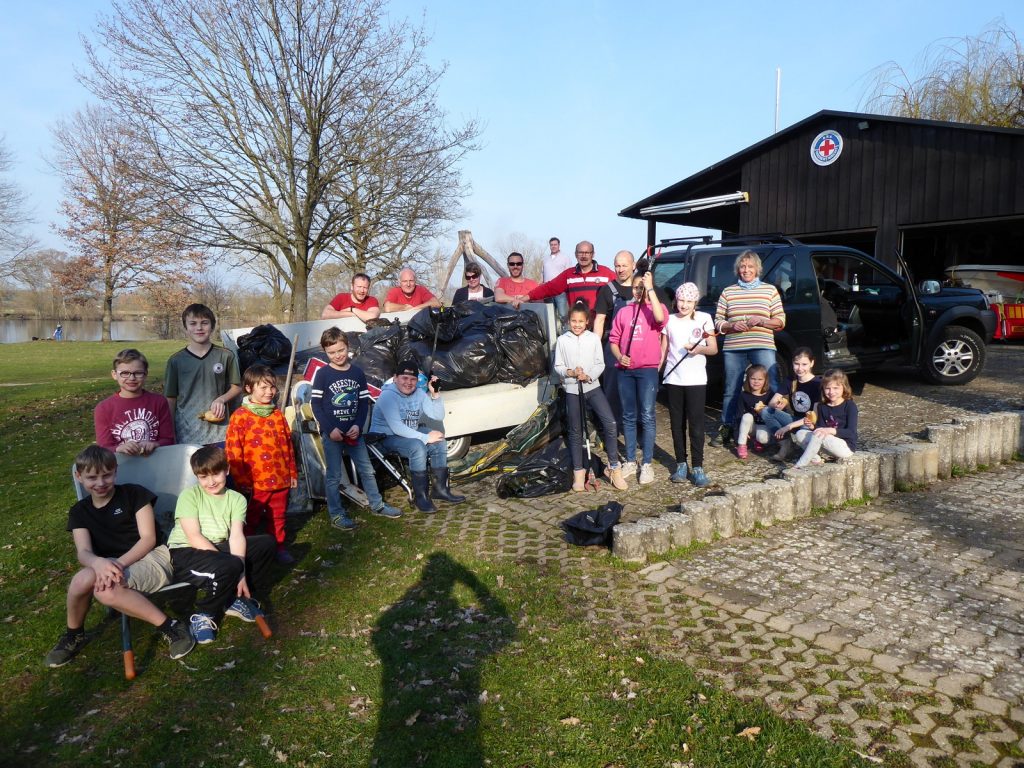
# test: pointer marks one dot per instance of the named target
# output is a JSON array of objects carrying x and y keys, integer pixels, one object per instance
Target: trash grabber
[
  {"x": 591, "y": 475},
  {"x": 288, "y": 378},
  {"x": 433, "y": 348},
  {"x": 687, "y": 350}
]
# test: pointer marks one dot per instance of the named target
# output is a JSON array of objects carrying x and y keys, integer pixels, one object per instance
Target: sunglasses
[
  {"x": 472, "y": 277},
  {"x": 515, "y": 263}
]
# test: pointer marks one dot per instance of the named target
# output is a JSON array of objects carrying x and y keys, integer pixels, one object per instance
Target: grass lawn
[{"x": 392, "y": 647}]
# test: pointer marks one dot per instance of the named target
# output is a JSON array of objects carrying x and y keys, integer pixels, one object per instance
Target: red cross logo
[{"x": 827, "y": 147}]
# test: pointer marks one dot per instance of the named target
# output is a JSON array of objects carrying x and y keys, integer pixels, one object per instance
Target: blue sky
[{"x": 587, "y": 106}]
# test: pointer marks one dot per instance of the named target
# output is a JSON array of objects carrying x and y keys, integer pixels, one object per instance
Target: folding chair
[{"x": 166, "y": 473}]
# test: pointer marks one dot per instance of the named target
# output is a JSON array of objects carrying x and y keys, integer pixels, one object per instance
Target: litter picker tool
[
  {"x": 704, "y": 334},
  {"x": 645, "y": 265},
  {"x": 286, "y": 392},
  {"x": 591, "y": 474}
]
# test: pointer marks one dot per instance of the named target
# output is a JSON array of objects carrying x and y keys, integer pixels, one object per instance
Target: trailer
[{"x": 468, "y": 412}]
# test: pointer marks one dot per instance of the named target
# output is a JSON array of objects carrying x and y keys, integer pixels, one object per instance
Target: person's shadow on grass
[{"x": 431, "y": 645}]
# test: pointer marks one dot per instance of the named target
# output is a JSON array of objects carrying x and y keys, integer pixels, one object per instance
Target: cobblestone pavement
[{"x": 895, "y": 624}]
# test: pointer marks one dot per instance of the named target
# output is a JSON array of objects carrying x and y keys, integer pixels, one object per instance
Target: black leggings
[
  {"x": 599, "y": 403},
  {"x": 686, "y": 410}
]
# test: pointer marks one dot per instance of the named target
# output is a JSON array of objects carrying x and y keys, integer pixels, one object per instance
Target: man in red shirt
[
  {"x": 579, "y": 283},
  {"x": 359, "y": 303},
  {"x": 408, "y": 295}
]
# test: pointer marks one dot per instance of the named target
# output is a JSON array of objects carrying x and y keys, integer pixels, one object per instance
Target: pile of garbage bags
[{"x": 464, "y": 346}]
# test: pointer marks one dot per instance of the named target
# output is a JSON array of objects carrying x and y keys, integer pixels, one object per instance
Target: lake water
[{"x": 13, "y": 330}]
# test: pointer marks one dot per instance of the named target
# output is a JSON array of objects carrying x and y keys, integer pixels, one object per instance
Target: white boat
[{"x": 1004, "y": 279}]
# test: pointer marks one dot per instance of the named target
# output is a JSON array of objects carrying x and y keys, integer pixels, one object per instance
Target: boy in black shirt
[{"x": 115, "y": 536}]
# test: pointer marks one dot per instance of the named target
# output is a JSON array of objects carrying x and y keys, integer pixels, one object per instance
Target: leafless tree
[
  {"x": 965, "y": 80},
  {"x": 298, "y": 131},
  {"x": 14, "y": 217},
  {"x": 121, "y": 228}
]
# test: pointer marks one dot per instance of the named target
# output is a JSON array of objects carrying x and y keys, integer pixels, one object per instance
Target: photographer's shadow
[{"x": 431, "y": 647}]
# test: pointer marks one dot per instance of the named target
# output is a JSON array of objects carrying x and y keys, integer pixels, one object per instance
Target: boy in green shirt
[{"x": 210, "y": 550}]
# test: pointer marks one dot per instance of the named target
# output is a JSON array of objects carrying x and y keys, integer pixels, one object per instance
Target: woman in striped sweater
[{"x": 748, "y": 313}]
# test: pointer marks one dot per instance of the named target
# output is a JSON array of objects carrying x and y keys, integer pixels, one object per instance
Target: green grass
[{"x": 392, "y": 647}]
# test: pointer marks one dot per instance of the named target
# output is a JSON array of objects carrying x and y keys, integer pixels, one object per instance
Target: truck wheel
[
  {"x": 458, "y": 447},
  {"x": 957, "y": 358}
]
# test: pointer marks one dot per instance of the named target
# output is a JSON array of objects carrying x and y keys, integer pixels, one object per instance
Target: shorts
[{"x": 152, "y": 573}]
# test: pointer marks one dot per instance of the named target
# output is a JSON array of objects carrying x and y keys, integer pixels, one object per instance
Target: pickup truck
[
  {"x": 854, "y": 312},
  {"x": 467, "y": 411}
]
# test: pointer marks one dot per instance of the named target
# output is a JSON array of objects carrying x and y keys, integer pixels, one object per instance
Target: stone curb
[{"x": 965, "y": 444}]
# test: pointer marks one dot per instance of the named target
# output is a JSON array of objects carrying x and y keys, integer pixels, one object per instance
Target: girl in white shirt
[{"x": 691, "y": 338}]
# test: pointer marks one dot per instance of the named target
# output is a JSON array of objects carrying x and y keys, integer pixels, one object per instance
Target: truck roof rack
[{"x": 772, "y": 238}]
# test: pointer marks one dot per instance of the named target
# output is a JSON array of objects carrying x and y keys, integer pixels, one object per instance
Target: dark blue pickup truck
[{"x": 854, "y": 312}]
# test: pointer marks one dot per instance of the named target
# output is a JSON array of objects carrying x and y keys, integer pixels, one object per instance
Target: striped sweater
[{"x": 737, "y": 302}]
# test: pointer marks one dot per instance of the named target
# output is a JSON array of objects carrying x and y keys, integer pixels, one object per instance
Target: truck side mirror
[{"x": 930, "y": 287}]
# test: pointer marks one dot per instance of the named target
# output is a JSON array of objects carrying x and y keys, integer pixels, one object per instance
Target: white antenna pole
[{"x": 778, "y": 94}]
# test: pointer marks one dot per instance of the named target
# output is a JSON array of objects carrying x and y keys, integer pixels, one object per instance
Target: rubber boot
[
  {"x": 421, "y": 490},
  {"x": 442, "y": 490}
]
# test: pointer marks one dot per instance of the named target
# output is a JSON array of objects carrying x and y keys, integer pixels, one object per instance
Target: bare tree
[
  {"x": 121, "y": 228},
  {"x": 14, "y": 216},
  {"x": 965, "y": 80},
  {"x": 297, "y": 130}
]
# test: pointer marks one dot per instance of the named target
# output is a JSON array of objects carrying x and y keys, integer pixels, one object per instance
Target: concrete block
[
  {"x": 746, "y": 498},
  {"x": 904, "y": 472},
  {"x": 1015, "y": 438},
  {"x": 959, "y": 445},
  {"x": 989, "y": 434},
  {"x": 869, "y": 462},
  {"x": 1019, "y": 448},
  {"x": 854, "y": 475},
  {"x": 680, "y": 529},
  {"x": 780, "y": 493},
  {"x": 941, "y": 436},
  {"x": 971, "y": 424},
  {"x": 627, "y": 543},
  {"x": 703, "y": 527},
  {"x": 930, "y": 454},
  {"x": 723, "y": 515},
  {"x": 800, "y": 483},
  {"x": 654, "y": 536},
  {"x": 837, "y": 473},
  {"x": 886, "y": 470},
  {"x": 1008, "y": 430},
  {"x": 819, "y": 485}
]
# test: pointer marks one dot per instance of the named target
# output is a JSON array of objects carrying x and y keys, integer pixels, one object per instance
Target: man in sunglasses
[
  {"x": 514, "y": 289},
  {"x": 473, "y": 290}
]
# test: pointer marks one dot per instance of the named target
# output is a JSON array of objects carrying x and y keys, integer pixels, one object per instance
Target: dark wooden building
[{"x": 942, "y": 193}]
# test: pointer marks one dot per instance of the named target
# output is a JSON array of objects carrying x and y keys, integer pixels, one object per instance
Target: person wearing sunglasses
[
  {"x": 514, "y": 289},
  {"x": 473, "y": 290}
]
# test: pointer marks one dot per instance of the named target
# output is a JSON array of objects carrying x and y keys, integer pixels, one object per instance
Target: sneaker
[
  {"x": 179, "y": 639},
  {"x": 699, "y": 478},
  {"x": 66, "y": 649},
  {"x": 741, "y": 451},
  {"x": 679, "y": 476},
  {"x": 244, "y": 609},
  {"x": 204, "y": 628},
  {"x": 284, "y": 557},
  {"x": 782, "y": 455},
  {"x": 646, "y": 474},
  {"x": 758, "y": 447},
  {"x": 386, "y": 510},
  {"x": 629, "y": 469},
  {"x": 343, "y": 523},
  {"x": 723, "y": 438}
]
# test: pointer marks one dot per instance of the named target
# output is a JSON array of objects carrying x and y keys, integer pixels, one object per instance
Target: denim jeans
[
  {"x": 735, "y": 365},
  {"x": 638, "y": 388},
  {"x": 775, "y": 420},
  {"x": 416, "y": 452},
  {"x": 595, "y": 399},
  {"x": 333, "y": 452}
]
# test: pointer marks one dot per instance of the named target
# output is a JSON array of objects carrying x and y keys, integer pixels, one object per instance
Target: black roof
[{"x": 724, "y": 177}]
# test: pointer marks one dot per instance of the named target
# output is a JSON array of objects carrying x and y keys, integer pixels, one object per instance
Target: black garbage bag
[
  {"x": 473, "y": 318},
  {"x": 521, "y": 346},
  {"x": 378, "y": 352},
  {"x": 423, "y": 324},
  {"x": 543, "y": 473},
  {"x": 593, "y": 527},
  {"x": 466, "y": 362},
  {"x": 263, "y": 345}
]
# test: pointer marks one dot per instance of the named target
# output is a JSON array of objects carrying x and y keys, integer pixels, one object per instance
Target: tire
[
  {"x": 459, "y": 447},
  {"x": 957, "y": 357}
]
